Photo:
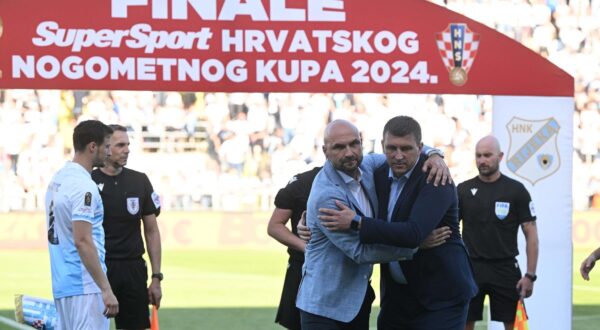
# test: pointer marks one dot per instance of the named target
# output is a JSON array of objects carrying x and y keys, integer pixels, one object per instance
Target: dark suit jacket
[{"x": 437, "y": 278}]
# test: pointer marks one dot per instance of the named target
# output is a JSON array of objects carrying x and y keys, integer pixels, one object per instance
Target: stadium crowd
[{"x": 233, "y": 151}]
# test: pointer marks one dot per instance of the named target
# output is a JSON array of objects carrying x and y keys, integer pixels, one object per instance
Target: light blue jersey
[{"x": 72, "y": 196}]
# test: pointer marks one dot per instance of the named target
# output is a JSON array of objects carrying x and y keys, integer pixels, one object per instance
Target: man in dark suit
[{"x": 431, "y": 291}]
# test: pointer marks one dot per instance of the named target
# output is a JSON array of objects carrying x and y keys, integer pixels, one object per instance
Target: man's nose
[{"x": 348, "y": 151}]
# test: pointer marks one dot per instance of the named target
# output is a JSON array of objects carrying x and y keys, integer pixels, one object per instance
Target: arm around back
[
  {"x": 348, "y": 242},
  {"x": 423, "y": 209}
]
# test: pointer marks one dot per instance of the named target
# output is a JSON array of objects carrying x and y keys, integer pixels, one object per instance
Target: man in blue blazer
[
  {"x": 335, "y": 291},
  {"x": 432, "y": 290}
]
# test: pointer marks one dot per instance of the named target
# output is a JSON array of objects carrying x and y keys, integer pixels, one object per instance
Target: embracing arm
[
  {"x": 434, "y": 163},
  {"x": 349, "y": 243},
  {"x": 153, "y": 245},
  {"x": 342, "y": 218},
  {"x": 277, "y": 229},
  {"x": 430, "y": 207}
]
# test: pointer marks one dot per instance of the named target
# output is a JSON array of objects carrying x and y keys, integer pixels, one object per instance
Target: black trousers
[{"x": 360, "y": 322}]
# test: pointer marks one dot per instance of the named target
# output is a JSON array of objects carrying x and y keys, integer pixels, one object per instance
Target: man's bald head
[
  {"x": 342, "y": 146},
  {"x": 487, "y": 157},
  {"x": 338, "y": 125},
  {"x": 489, "y": 142}
]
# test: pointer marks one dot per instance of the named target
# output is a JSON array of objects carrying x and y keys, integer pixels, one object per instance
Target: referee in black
[
  {"x": 128, "y": 197},
  {"x": 290, "y": 202},
  {"x": 492, "y": 208}
]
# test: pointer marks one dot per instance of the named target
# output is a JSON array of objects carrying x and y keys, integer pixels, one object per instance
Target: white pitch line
[{"x": 14, "y": 324}]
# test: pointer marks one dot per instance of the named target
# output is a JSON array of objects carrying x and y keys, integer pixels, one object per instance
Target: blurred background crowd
[{"x": 233, "y": 151}]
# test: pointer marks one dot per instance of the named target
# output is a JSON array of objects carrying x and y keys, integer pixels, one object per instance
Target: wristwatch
[
  {"x": 158, "y": 276},
  {"x": 531, "y": 277},
  {"x": 355, "y": 222}
]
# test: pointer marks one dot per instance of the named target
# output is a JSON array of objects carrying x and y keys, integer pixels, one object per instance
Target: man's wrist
[
  {"x": 355, "y": 223},
  {"x": 157, "y": 276},
  {"x": 532, "y": 277},
  {"x": 434, "y": 151}
]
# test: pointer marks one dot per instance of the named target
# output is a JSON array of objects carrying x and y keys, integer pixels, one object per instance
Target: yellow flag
[{"x": 521, "y": 317}]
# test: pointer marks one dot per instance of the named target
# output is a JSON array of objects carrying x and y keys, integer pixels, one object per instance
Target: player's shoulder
[
  {"x": 77, "y": 188},
  {"x": 304, "y": 178},
  {"x": 310, "y": 174}
]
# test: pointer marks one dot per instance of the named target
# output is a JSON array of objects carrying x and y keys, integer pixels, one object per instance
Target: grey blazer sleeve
[{"x": 349, "y": 242}]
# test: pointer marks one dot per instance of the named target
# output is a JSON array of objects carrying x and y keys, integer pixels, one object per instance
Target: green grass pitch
[{"x": 231, "y": 289}]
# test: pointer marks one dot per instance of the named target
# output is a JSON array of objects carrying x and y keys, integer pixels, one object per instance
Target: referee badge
[
  {"x": 502, "y": 209},
  {"x": 133, "y": 205}
]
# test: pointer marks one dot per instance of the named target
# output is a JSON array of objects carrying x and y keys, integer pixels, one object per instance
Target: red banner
[{"x": 264, "y": 45}]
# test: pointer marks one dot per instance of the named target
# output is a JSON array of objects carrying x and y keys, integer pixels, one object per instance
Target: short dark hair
[
  {"x": 90, "y": 131},
  {"x": 116, "y": 127},
  {"x": 403, "y": 126}
]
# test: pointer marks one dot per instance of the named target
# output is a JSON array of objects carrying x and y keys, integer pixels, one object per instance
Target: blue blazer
[
  {"x": 439, "y": 277},
  {"x": 337, "y": 266}
]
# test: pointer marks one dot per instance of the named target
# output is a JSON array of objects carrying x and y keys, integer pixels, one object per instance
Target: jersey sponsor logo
[
  {"x": 85, "y": 210},
  {"x": 156, "y": 200},
  {"x": 502, "y": 209},
  {"x": 133, "y": 205},
  {"x": 532, "y": 209},
  {"x": 473, "y": 191},
  {"x": 87, "y": 200},
  {"x": 100, "y": 186},
  {"x": 533, "y": 149}
]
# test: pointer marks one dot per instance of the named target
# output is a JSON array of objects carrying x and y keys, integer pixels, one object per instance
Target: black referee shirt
[
  {"x": 126, "y": 197},
  {"x": 294, "y": 196},
  {"x": 491, "y": 214}
]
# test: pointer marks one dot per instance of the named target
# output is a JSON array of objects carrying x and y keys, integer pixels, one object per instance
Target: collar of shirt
[
  {"x": 348, "y": 179},
  {"x": 357, "y": 191},
  {"x": 397, "y": 184},
  {"x": 406, "y": 175}
]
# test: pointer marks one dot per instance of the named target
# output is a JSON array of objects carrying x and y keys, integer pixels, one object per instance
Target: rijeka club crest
[
  {"x": 458, "y": 47},
  {"x": 533, "y": 149}
]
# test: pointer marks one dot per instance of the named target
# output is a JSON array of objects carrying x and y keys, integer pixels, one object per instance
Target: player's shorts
[
  {"x": 498, "y": 279},
  {"x": 288, "y": 314},
  {"x": 81, "y": 312},
  {"x": 128, "y": 280}
]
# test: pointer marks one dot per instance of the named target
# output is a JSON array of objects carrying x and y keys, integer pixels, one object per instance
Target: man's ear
[
  {"x": 323, "y": 148},
  {"x": 92, "y": 146},
  {"x": 500, "y": 155}
]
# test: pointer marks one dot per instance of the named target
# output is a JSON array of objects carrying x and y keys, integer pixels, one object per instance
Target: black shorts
[
  {"x": 128, "y": 280},
  {"x": 497, "y": 279},
  {"x": 287, "y": 314}
]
